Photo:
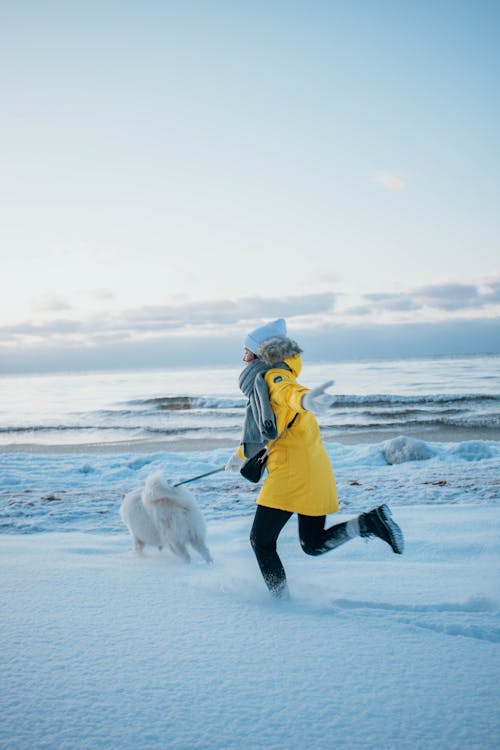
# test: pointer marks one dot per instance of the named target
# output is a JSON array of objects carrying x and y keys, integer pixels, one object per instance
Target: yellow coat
[{"x": 300, "y": 477}]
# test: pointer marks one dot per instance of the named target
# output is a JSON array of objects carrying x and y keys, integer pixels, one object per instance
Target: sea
[
  {"x": 438, "y": 398},
  {"x": 414, "y": 432}
]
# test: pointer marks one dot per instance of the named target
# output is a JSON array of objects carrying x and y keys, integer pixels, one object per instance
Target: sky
[{"x": 173, "y": 174}]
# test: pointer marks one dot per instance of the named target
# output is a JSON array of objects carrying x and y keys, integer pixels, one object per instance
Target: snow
[
  {"x": 82, "y": 491},
  {"x": 102, "y": 648}
]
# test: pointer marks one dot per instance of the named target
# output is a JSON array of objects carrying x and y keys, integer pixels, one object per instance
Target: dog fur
[{"x": 163, "y": 515}]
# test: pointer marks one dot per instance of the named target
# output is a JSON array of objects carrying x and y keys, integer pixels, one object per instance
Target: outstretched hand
[{"x": 316, "y": 400}]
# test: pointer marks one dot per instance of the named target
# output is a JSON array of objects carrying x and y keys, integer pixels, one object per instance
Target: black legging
[{"x": 314, "y": 539}]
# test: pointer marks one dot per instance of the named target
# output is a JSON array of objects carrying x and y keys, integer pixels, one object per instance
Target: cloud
[
  {"x": 247, "y": 310},
  {"x": 464, "y": 336},
  {"x": 491, "y": 289},
  {"x": 156, "y": 320},
  {"x": 444, "y": 298},
  {"x": 327, "y": 343},
  {"x": 360, "y": 310},
  {"x": 211, "y": 331},
  {"x": 451, "y": 296},
  {"x": 395, "y": 181},
  {"x": 392, "y": 302},
  {"x": 41, "y": 330},
  {"x": 100, "y": 294},
  {"x": 49, "y": 303}
]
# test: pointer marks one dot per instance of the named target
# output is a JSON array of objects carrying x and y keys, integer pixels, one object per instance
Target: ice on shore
[
  {"x": 82, "y": 492},
  {"x": 402, "y": 449}
]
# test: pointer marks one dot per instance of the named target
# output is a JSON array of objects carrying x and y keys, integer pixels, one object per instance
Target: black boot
[{"x": 378, "y": 522}]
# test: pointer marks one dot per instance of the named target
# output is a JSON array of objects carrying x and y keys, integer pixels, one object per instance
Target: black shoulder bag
[{"x": 253, "y": 469}]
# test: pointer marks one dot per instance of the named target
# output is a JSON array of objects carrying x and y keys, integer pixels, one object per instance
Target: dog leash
[
  {"x": 200, "y": 476},
  {"x": 223, "y": 468}
]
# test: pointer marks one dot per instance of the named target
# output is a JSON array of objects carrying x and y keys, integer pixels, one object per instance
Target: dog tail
[{"x": 156, "y": 490}]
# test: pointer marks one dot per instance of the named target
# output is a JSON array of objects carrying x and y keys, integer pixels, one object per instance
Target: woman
[{"x": 300, "y": 477}]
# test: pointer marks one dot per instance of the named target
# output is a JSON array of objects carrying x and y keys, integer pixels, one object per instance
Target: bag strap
[{"x": 269, "y": 448}]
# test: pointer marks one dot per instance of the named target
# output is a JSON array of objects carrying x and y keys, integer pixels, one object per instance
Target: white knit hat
[{"x": 276, "y": 328}]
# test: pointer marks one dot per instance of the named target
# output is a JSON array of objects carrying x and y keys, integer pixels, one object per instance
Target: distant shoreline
[
  {"x": 232, "y": 362},
  {"x": 441, "y": 435}
]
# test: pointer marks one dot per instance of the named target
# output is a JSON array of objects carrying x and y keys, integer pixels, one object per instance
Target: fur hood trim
[{"x": 277, "y": 349}]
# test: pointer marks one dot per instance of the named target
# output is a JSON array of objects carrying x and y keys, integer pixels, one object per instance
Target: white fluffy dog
[{"x": 161, "y": 514}]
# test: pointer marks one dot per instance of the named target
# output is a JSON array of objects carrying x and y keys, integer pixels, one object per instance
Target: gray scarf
[{"x": 260, "y": 423}]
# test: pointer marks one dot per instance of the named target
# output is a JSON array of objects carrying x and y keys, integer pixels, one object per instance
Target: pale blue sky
[{"x": 175, "y": 172}]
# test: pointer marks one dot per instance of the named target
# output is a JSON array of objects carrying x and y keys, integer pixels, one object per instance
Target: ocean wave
[
  {"x": 436, "y": 398},
  {"x": 179, "y": 403},
  {"x": 491, "y": 421},
  {"x": 100, "y": 428},
  {"x": 187, "y": 402},
  {"x": 54, "y": 428},
  {"x": 358, "y": 423},
  {"x": 408, "y": 412}
]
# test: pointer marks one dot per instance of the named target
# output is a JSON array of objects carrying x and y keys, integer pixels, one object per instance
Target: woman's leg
[
  {"x": 267, "y": 525},
  {"x": 316, "y": 540}
]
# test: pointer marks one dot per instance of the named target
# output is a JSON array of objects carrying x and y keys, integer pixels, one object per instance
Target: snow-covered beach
[{"x": 102, "y": 648}]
